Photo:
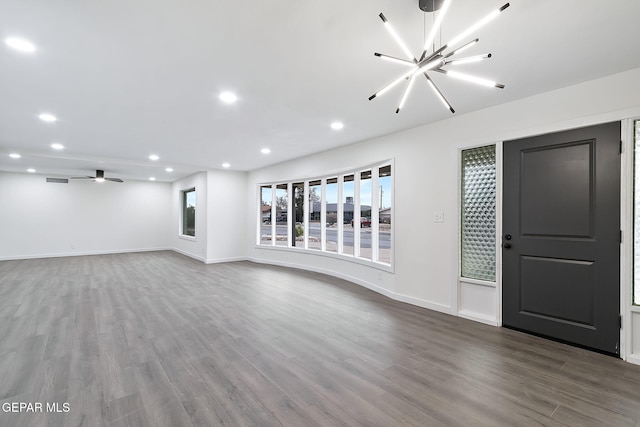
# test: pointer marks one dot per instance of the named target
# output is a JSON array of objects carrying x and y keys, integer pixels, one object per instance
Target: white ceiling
[{"x": 130, "y": 78}]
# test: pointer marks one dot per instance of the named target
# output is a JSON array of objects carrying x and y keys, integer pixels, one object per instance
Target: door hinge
[
  {"x": 620, "y": 146},
  {"x": 620, "y": 321},
  {"x": 620, "y": 236}
]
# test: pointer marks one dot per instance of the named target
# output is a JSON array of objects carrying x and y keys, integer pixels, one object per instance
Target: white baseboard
[
  {"x": 83, "y": 253},
  {"x": 393, "y": 295},
  {"x": 634, "y": 358},
  {"x": 190, "y": 255},
  {"x": 221, "y": 260},
  {"x": 477, "y": 317}
]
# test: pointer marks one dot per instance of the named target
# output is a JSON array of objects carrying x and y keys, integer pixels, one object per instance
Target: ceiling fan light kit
[{"x": 439, "y": 58}]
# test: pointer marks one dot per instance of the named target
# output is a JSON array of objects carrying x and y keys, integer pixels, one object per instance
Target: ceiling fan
[{"x": 98, "y": 178}]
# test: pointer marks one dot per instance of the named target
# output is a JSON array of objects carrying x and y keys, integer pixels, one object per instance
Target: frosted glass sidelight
[{"x": 478, "y": 245}]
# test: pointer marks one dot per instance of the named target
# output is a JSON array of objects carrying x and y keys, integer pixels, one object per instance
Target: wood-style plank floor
[{"x": 158, "y": 339}]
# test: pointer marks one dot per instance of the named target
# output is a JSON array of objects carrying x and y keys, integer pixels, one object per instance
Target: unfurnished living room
[{"x": 344, "y": 213}]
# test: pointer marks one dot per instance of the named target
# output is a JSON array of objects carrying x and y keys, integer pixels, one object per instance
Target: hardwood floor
[{"x": 158, "y": 339}]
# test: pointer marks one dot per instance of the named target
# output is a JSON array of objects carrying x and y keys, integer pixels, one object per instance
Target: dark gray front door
[{"x": 561, "y": 236}]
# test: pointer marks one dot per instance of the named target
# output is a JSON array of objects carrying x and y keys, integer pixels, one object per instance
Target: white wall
[
  {"x": 220, "y": 218},
  {"x": 40, "y": 219},
  {"x": 226, "y": 216},
  {"x": 195, "y": 247},
  {"x": 426, "y": 180}
]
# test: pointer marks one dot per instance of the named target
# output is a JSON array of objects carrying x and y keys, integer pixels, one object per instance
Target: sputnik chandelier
[{"x": 439, "y": 58}]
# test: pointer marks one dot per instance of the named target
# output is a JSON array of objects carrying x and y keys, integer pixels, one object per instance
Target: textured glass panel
[
  {"x": 636, "y": 216},
  {"x": 479, "y": 213}
]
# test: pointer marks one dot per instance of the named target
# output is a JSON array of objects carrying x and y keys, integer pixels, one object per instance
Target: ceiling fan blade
[
  {"x": 114, "y": 179},
  {"x": 83, "y": 177}
]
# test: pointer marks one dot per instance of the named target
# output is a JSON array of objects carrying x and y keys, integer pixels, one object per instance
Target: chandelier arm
[
  {"x": 396, "y": 37},
  {"x": 433, "y": 86},
  {"x": 427, "y": 64},
  {"x": 406, "y": 93},
  {"x": 462, "y": 48},
  {"x": 394, "y": 83},
  {"x": 468, "y": 59},
  {"x": 469, "y": 78},
  {"x": 478, "y": 25},
  {"x": 433, "y": 55},
  {"x": 394, "y": 59}
]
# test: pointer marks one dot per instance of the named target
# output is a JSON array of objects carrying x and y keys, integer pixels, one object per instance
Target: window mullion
[
  {"x": 340, "y": 208},
  {"x": 323, "y": 215},
  {"x": 375, "y": 214},
  {"x": 273, "y": 214},
  {"x": 356, "y": 214},
  {"x": 305, "y": 219},
  {"x": 289, "y": 212}
]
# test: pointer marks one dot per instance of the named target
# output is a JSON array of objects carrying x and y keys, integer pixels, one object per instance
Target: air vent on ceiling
[{"x": 58, "y": 180}]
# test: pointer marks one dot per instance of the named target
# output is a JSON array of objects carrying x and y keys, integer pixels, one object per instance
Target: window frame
[
  {"x": 339, "y": 253},
  {"x": 183, "y": 210}
]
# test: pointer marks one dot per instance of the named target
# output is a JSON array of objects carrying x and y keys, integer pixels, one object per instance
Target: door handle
[{"x": 507, "y": 246}]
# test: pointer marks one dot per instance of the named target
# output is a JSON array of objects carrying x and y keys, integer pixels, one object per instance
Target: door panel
[
  {"x": 542, "y": 279},
  {"x": 561, "y": 222},
  {"x": 558, "y": 184}
]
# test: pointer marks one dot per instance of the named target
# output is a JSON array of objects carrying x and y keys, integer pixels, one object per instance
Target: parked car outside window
[{"x": 364, "y": 222}]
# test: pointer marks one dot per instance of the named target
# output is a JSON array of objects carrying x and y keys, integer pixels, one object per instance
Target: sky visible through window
[
  {"x": 385, "y": 184},
  {"x": 191, "y": 199}
]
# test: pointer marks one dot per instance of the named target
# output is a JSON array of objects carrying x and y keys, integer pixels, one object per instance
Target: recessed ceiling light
[
  {"x": 57, "y": 146},
  {"x": 15, "y": 155},
  {"x": 20, "y": 44},
  {"x": 337, "y": 125},
  {"x": 265, "y": 151},
  {"x": 47, "y": 117},
  {"x": 31, "y": 170},
  {"x": 152, "y": 178},
  {"x": 169, "y": 169},
  {"x": 153, "y": 157},
  {"x": 228, "y": 97},
  {"x": 226, "y": 165}
]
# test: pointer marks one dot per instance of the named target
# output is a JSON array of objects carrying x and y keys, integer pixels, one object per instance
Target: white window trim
[
  {"x": 181, "y": 235},
  {"x": 339, "y": 254}
]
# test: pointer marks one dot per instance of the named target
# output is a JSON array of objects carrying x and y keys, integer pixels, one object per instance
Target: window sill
[
  {"x": 342, "y": 257},
  {"x": 185, "y": 237}
]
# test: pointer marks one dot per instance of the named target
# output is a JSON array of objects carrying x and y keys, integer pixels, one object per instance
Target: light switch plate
[{"x": 438, "y": 216}]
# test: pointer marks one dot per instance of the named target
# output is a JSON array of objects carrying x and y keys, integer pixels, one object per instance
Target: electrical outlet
[{"x": 438, "y": 216}]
